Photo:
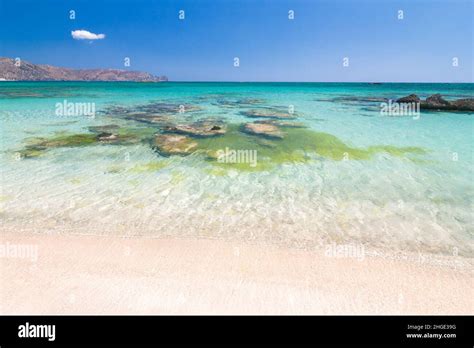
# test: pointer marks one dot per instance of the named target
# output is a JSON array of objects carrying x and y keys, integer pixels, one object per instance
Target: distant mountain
[{"x": 25, "y": 71}]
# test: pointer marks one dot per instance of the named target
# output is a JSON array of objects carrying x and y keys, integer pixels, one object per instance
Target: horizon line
[{"x": 228, "y": 81}]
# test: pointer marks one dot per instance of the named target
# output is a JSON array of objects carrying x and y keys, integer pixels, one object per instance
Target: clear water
[{"x": 385, "y": 202}]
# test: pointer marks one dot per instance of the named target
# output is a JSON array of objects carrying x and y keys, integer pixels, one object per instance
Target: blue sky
[{"x": 202, "y": 47}]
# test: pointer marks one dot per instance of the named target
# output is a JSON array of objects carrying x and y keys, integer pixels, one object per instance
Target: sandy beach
[{"x": 110, "y": 275}]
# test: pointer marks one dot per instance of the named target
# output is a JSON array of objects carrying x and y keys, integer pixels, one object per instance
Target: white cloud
[{"x": 86, "y": 35}]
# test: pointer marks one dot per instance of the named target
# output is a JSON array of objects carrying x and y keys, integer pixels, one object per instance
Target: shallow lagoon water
[{"x": 352, "y": 176}]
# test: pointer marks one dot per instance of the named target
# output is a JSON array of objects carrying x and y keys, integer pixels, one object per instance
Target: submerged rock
[
  {"x": 263, "y": 129},
  {"x": 267, "y": 113},
  {"x": 250, "y": 101},
  {"x": 135, "y": 114},
  {"x": 266, "y": 142},
  {"x": 288, "y": 124},
  {"x": 226, "y": 103},
  {"x": 30, "y": 152},
  {"x": 104, "y": 128},
  {"x": 152, "y": 119},
  {"x": 198, "y": 129},
  {"x": 236, "y": 103},
  {"x": 167, "y": 108},
  {"x": 72, "y": 140},
  {"x": 299, "y": 145},
  {"x": 350, "y": 99},
  {"x": 105, "y": 136},
  {"x": 173, "y": 144},
  {"x": 151, "y": 112},
  {"x": 114, "y": 109},
  {"x": 112, "y": 133},
  {"x": 35, "y": 147}
]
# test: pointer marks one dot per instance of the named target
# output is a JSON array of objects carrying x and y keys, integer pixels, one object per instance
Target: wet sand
[{"x": 111, "y": 275}]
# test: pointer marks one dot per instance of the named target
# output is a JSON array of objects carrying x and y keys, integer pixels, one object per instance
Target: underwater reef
[{"x": 274, "y": 135}]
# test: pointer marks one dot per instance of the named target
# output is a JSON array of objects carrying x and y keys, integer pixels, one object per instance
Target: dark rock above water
[
  {"x": 12, "y": 70},
  {"x": 437, "y": 102},
  {"x": 466, "y": 104},
  {"x": 412, "y": 98}
]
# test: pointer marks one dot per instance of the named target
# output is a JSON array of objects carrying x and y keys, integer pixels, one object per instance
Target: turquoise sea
[{"x": 344, "y": 174}]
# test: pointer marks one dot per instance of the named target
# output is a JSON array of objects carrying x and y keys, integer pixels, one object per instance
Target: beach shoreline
[{"x": 80, "y": 274}]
